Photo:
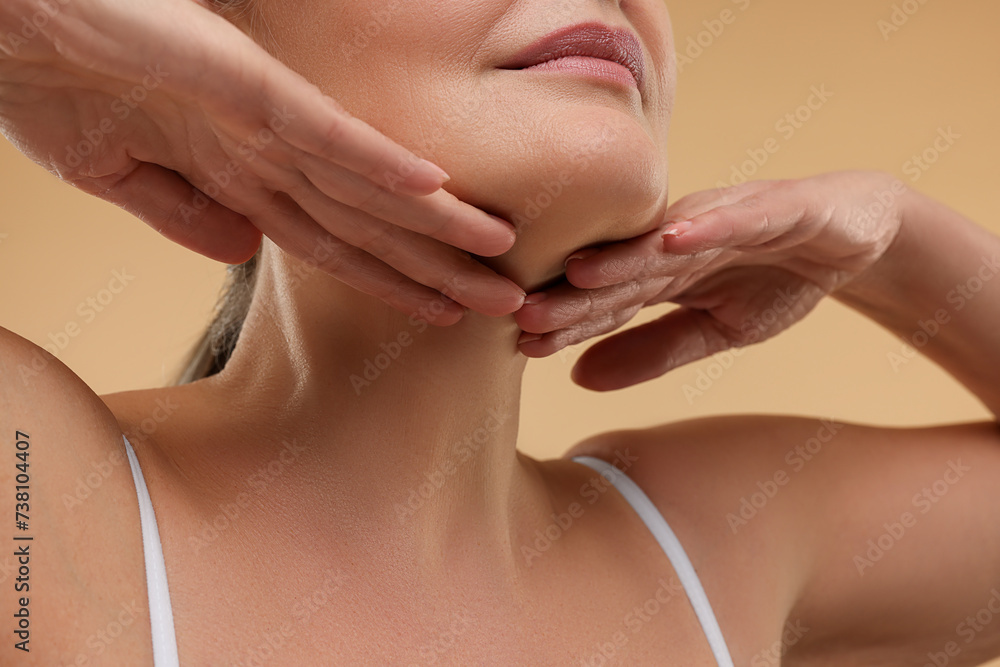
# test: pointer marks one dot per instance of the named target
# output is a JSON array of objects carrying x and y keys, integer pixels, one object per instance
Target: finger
[
  {"x": 639, "y": 257},
  {"x": 649, "y": 254},
  {"x": 648, "y": 351},
  {"x": 264, "y": 94},
  {"x": 295, "y": 233},
  {"x": 551, "y": 343},
  {"x": 439, "y": 215},
  {"x": 326, "y": 130},
  {"x": 423, "y": 259},
  {"x": 565, "y": 305},
  {"x": 769, "y": 220},
  {"x": 302, "y": 207},
  {"x": 696, "y": 203},
  {"x": 161, "y": 198}
]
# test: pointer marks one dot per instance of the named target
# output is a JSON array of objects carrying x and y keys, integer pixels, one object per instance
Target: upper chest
[
  {"x": 246, "y": 590},
  {"x": 600, "y": 591}
]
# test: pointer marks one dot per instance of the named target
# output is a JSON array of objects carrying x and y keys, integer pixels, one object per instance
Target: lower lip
[{"x": 604, "y": 69}]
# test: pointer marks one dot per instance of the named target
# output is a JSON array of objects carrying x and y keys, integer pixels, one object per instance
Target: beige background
[{"x": 890, "y": 97}]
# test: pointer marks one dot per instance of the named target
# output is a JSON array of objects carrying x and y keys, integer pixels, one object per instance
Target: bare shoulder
[
  {"x": 718, "y": 483},
  {"x": 708, "y": 465},
  {"x": 806, "y": 512},
  {"x": 73, "y": 567}
]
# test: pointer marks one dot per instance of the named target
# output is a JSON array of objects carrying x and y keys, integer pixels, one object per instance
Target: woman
[{"x": 346, "y": 490}]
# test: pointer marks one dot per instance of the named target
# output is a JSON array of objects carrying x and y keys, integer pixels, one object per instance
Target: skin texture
[
  {"x": 126, "y": 117},
  {"x": 501, "y": 134},
  {"x": 399, "y": 496}
]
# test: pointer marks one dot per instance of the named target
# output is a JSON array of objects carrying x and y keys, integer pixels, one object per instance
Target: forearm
[{"x": 938, "y": 287}]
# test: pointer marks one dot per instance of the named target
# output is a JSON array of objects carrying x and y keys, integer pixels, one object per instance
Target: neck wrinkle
[{"x": 409, "y": 430}]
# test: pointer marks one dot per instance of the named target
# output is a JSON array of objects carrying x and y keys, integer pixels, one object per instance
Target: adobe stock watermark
[
  {"x": 88, "y": 483},
  {"x": 895, "y": 530},
  {"x": 470, "y": 105},
  {"x": 364, "y": 34},
  {"x": 462, "y": 451},
  {"x": 566, "y": 354},
  {"x": 391, "y": 350},
  {"x": 791, "y": 634},
  {"x": 958, "y": 297},
  {"x": 921, "y": 162},
  {"x": 88, "y": 309},
  {"x": 248, "y": 150},
  {"x": 796, "y": 458},
  {"x": 591, "y": 491},
  {"x": 884, "y": 201},
  {"x": 968, "y": 629},
  {"x": 552, "y": 190},
  {"x": 101, "y": 640},
  {"x": 696, "y": 45},
  {"x": 31, "y": 25},
  {"x": 122, "y": 108},
  {"x": 899, "y": 16},
  {"x": 786, "y": 127},
  {"x": 752, "y": 329},
  {"x": 433, "y": 649},
  {"x": 271, "y": 642},
  {"x": 209, "y": 531},
  {"x": 605, "y": 652}
]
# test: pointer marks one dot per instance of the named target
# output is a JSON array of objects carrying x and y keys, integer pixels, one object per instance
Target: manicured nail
[
  {"x": 441, "y": 173},
  {"x": 677, "y": 228},
  {"x": 581, "y": 254},
  {"x": 535, "y": 298},
  {"x": 528, "y": 337}
]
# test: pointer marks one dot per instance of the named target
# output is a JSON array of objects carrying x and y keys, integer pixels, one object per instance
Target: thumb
[{"x": 648, "y": 351}]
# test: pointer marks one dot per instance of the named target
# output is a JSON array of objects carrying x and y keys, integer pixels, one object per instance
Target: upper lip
[{"x": 594, "y": 40}]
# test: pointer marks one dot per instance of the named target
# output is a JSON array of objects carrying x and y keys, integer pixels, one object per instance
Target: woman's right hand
[{"x": 172, "y": 113}]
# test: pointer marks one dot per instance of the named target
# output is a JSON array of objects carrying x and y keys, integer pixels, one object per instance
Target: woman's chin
[
  {"x": 594, "y": 177},
  {"x": 537, "y": 258},
  {"x": 588, "y": 215}
]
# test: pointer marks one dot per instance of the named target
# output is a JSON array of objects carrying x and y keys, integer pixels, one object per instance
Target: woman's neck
[{"x": 415, "y": 423}]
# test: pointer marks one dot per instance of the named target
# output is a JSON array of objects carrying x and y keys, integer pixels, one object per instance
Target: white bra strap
[
  {"x": 161, "y": 616},
  {"x": 657, "y": 525}
]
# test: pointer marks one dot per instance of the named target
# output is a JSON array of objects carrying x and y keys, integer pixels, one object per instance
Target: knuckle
[
  {"x": 335, "y": 135},
  {"x": 369, "y": 199},
  {"x": 622, "y": 317},
  {"x": 448, "y": 219},
  {"x": 615, "y": 267}
]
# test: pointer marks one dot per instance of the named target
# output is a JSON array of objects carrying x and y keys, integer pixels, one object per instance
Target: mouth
[{"x": 593, "y": 48}]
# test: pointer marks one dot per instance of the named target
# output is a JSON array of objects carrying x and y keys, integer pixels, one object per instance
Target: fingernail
[
  {"x": 505, "y": 223},
  {"x": 676, "y": 229},
  {"x": 535, "y": 298},
  {"x": 581, "y": 254},
  {"x": 528, "y": 337},
  {"x": 441, "y": 173}
]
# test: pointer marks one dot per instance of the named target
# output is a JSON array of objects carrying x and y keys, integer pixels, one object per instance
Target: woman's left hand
[{"x": 744, "y": 263}]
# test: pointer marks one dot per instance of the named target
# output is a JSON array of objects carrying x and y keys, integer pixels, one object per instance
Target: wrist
[{"x": 881, "y": 285}]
